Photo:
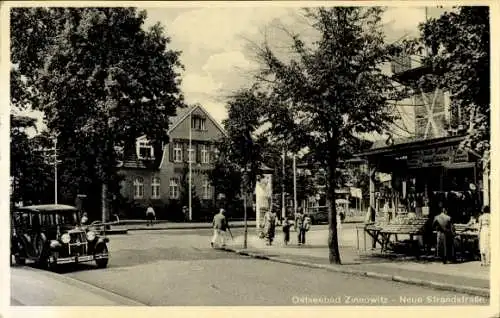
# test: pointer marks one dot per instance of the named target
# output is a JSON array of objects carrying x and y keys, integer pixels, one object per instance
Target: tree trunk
[{"x": 333, "y": 242}]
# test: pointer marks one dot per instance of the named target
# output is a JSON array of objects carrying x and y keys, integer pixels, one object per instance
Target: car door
[{"x": 24, "y": 233}]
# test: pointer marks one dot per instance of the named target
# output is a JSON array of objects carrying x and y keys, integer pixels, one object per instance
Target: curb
[{"x": 476, "y": 291}]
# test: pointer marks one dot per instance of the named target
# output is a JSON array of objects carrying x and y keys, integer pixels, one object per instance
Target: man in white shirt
[
  {"x": 150, "y": 215},
  {"x": 220, "y": 226}
]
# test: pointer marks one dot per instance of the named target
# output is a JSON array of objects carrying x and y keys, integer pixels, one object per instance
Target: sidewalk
[
  {"x": 467, "y": 277},
  {"x": 30, "y": 287},
  {"x": 139, "y": 225}
]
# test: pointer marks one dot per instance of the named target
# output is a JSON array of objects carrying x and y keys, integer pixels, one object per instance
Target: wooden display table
[{"x": 382, "y": 232}]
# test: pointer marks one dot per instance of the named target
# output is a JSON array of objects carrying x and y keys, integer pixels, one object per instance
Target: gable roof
[{"x": 185, "y": 112}]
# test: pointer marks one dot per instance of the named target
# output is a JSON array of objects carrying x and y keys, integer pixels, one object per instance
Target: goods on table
[{"x": 400, "y": 224}]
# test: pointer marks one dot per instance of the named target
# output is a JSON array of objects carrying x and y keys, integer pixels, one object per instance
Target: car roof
[{"x": 46, "y": 208}]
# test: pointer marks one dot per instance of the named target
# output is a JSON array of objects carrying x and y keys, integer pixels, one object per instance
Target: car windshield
[{"x": 66, "y": 218}]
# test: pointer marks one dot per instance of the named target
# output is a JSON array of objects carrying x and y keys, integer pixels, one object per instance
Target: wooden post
[{"x": 372, "y": 187}]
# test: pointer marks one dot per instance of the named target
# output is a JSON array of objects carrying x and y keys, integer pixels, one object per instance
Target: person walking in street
[
  {"x": 445, "y": 236},
  {"x": 299, "y": 227},
  {"x": 220, "y": 226},
  {"x": 484, "y": 236},
  {"x": 150, "y": 215},
  {"x": 286, "y": 230},
  {"x": 270, "y": 226}
]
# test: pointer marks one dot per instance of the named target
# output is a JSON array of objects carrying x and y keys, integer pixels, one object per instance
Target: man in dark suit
[{"x": 445, "y": 236}]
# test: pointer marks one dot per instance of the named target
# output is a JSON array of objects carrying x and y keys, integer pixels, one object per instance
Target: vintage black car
[{"x": 52, "y": 234}]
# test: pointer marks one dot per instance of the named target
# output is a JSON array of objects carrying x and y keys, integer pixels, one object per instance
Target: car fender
[
  {"x": 100, "y": 241},
  {"x": 100, "y": 244}
]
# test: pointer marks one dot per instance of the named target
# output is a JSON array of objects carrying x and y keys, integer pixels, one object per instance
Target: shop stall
[{"x": 426, "y": 176}]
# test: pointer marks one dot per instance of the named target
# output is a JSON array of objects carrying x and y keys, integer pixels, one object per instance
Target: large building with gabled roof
[{"x": 158, "y": 178}]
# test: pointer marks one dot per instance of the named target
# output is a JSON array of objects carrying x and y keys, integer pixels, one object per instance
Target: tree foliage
[
  {"x": 330, "y": 92},
  {"x": 226, "y": 177},
  {"x": 30, "y": 171},
  {"x": 101, "y": 81},
  {"x": 244, "y": 146},
  {"x": 273, "y": 157},
  {"x": 459, "y": 55}
]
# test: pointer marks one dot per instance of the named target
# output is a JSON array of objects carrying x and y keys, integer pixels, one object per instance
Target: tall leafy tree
[
  {"x": 245, "y": 146},
  {"x": 226, "y": 176},
  {"x": 458, "y": 44},
  {"x": 329, "y": 92},
  {"x": 100, "y": 79}
]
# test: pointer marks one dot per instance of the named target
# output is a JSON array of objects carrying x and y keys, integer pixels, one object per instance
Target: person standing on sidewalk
[
  {"x": 286, "y": 230},
  {"x": 150, "y": 215},
  {"x": 444, "y": 227},
  {"x": 484, "y": 236},
  {"x": 220, "y": 226},
  {"x": 299, "y": 227}
]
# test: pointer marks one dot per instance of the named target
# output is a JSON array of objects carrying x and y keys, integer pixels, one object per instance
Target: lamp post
[
  {"x": 294, "y": 185},
  {"x": 190, "y": 167},
  {"x": 283, "y": 208},
  {"x": 245, "y": 193},
  {"x": 55, "y": 167}
]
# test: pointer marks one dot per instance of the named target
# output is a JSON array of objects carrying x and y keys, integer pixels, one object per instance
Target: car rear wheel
[{"x": 102, "y": 262}]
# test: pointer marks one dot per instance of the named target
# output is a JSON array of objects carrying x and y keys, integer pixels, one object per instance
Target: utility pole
[
  {"x": 245, "y": 193},
  {"x": 55, "y": 169},
  {"x": 294, "y": 184},
  {"x": 190, "y": 166},
  {"x": 283, "y": 208}
]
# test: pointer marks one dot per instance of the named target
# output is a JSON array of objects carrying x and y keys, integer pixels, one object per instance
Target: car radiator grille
[{"x": 77, "y": 244}]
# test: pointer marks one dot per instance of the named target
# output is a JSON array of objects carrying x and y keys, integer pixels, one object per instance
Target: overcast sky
[{"x": 214, "y": 42}]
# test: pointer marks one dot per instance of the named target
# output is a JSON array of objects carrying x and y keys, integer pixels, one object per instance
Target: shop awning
[{"x": 403, "y": 145}]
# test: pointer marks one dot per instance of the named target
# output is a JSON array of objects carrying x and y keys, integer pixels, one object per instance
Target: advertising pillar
[{"x": 263, "y": 197}]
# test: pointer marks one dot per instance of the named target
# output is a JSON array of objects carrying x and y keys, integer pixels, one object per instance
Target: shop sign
[{"x": 436, "y": 157}]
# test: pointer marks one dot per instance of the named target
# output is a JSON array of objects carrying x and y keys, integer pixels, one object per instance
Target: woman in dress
[{"x": 484, "y": 236}]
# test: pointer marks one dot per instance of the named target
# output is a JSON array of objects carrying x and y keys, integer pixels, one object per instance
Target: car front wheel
[
  {"x": 102, "y": 262},
  {"x": 19, "y": 260},
  {"x": 47, "y": 262}
]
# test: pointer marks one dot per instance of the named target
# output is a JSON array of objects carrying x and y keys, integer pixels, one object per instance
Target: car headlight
[
  {"x": 90, "y": 235},
  {"x": 65, "y": 238}
]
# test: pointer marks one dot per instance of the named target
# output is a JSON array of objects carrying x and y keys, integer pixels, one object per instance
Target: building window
[
  {"x": 178, "y": 152},
  {"x": 198, "y": 123},
  {"x": 155, "y": 188},
  {"x": 207, "y": 193},
  {"x": 191, "y": 154},
  {"x": 138, "y": 188},
  {"x": 174, "y": 188},
  {"x": 144, "y": 150},
  {"x": 216, "y": 153},
  {"x": 205, "y": 156}
]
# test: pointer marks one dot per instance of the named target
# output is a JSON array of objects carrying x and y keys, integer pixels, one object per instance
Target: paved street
[{"x": 178, "y": 267}]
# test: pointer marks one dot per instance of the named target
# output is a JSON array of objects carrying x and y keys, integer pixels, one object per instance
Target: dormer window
[
  {"x": 198, "y": 123},
  {"x": 144, "y": 149}
]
